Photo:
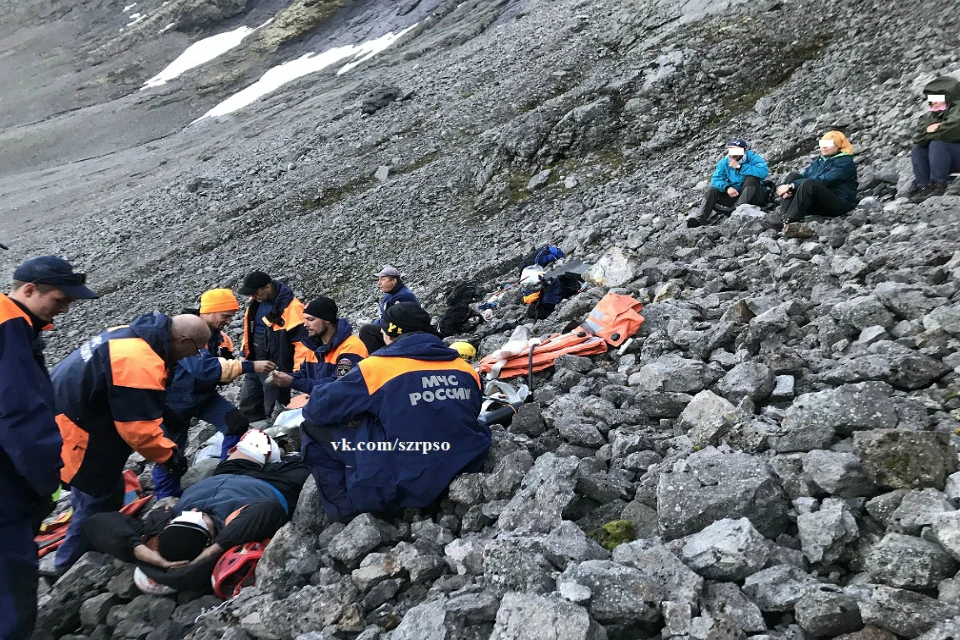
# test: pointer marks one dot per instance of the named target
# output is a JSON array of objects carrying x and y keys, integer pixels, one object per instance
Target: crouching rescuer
[{"x": 392, "y": 433}]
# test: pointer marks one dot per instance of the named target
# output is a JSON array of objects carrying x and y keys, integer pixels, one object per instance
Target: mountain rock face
[{"x": 780, "y": 436}]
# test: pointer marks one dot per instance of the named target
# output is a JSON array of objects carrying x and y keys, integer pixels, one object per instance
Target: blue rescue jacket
[
  {"x": 413, "y": 390},
  {"x": 30, "y": 441},
  {"x": 725, "y": 176},
  {"x": 196, "y": 379},
  {"x": 838, "y": 173},
  {"x": 333, "y": 360},
  {"x": 400, "y": 293}
]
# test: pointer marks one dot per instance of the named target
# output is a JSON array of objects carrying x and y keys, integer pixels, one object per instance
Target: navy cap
[
  {"x": 254, "y": 280},
  {"x": 55, "y": 272},
  {"x": 739, "y": 142}
]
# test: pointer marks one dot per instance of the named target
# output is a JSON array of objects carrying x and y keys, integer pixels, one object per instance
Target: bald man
[{"x": 110, "y": 395}]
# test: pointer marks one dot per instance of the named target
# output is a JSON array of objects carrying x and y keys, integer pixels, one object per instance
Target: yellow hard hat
[{"x": 465, "y": 349}]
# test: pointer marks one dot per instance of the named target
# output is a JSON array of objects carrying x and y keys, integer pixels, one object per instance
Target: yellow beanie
[
  {"x": 840, "y": 140},
  {"x": 217, "y": 300}
]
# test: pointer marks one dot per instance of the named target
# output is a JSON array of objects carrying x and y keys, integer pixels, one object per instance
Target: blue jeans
[
  {"x": 935, "y": 162},
  {"x": 85, "y": 505}
]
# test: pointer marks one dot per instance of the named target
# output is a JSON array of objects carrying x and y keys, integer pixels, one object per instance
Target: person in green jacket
[{"x": 936, "y": 150}]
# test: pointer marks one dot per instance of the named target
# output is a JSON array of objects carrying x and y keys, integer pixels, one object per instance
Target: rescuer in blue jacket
[
  {"x": 333, "y": 350},
  {"x": 737, "y": 180},
  {"x": 194, "y": 390},
  {"x": 110, "y": 395},
  {"x": 394, "y": 291},
  {"x": 30, "y": 443},
  {"x": 415, "y": 403}
]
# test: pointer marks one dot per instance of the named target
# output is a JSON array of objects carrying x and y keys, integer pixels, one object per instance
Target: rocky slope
[{"x": 780, "y": 435}]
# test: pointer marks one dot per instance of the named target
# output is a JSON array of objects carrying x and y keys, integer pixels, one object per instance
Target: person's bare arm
[{"x": 143, "y": 553}]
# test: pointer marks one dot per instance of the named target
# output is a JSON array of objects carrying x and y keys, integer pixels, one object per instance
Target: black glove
[
  {"x": 237, "y": 423},
  {"x": 176, "y": 465},
  {"x": 39, "y": 512}
]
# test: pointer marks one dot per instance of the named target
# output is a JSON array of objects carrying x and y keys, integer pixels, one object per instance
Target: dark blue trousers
[
  {"x": 18, "y": 578},
  {"x": 329, "y": 469},
  {"x": 85, "y": 505},
  {"x": 935, "y": 162}
]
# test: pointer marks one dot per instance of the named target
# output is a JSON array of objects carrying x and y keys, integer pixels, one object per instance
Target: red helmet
[{"x": 234, "y": 570}]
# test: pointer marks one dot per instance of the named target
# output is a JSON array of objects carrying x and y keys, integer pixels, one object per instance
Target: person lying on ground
[
  {"x": 250, "y": 496},
  {"x": 415, "y": 392},
  {"x": 827, "y": 187},
  {"x": 736, "y": 181},
  {"x": 194, "y": 390},
  {"x": 936, "y": 150},
  {"x": 333, "y": 349}
]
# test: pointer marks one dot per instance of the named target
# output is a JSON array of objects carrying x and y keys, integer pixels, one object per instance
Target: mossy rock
[
  {"x": 299, "y": 19},
  {"x": 614, "y": 533}
]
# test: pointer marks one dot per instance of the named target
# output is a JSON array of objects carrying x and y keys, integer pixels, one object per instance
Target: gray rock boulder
[
  {"x": 362, "y": 535},
  {"x": 711, "y": 486},
  {"x": 289, "y": 560},
  {"x": 545, "y": 492},
  {"x": 752, "y": 380},
  {"x": 678, "y": 582},
  {"x": 468, "y": 616},
  {"x": 828, "y": 612},
  {"x": 778, "y": 588},
  {"x": 726, "y": 550},
  {"x": 726, "y": 599},
  {"x": 310, "y": 609},
  {"x": 943, "y": 318},
  {"x": 509, "y": 566},
  {"x": 826, "y": 535},
  {"x": 530, "y": 617},
  {"x": 863, "y": 312},
  {"x": 946, "y": 630},
  {"x": 905, "y": 613},
  {"x": 814, "y": 419},
  {"x": 612, "y": 592},
  {"x": 60, "y": 613},
  {"x": 706, "y": 416},
  {"x": 917, "y": 510},
  {"x": 946, "y": 531},
  {"x": 899, "y": 459},
  {"x": 908, "y": 562},
  {"x": 838, "y": 474},
  {"x": 672, "y": 374}
]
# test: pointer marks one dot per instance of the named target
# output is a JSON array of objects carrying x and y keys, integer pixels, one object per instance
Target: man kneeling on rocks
[
  {"x": 249, "y": 497},
  {"x": 392, "y": 433}
]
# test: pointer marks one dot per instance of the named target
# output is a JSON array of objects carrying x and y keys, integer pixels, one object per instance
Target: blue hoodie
[
  {"x": 725, "y": 176},
  {"x": 399, "y": 293},
  {"x": 413, "y": 390}
]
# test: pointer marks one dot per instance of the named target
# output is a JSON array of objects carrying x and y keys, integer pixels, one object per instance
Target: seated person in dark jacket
[
  {"x": 828, "y": 187},
  {"x": 936, "y": 151},
  {"x": 250, "y": 496},
  {"x": 394, "y": 291},
  {"x": 736, "y": 181}
]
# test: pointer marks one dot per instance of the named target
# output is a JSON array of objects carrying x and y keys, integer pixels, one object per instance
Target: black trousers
[
  {"x": 371, "y": 337},
  {"x": 750, "y": 193},
  {"x": 811, "y": 198}
]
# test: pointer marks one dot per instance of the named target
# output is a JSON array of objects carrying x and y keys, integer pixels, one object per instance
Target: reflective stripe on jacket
[
  {"x": 329, "y": 361},
  {"x": 284, "y": 330}
]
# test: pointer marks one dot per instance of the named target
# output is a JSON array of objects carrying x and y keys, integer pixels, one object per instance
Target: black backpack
[
  {"x": 463, "y": 294},
  {"x": 459, "y": 319}
]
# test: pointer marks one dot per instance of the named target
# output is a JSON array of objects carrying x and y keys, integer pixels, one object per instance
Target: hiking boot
[
  {"x": 798, "y": 230},
  {"x": 698, "y": 220},
  {"x": 930, "y": 191},
  {"x": 773, "y": 220}
]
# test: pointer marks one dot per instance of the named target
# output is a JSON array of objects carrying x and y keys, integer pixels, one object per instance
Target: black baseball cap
[
  {"x": 406, "y": 317},
  {"x": 323, "y": 308},
  {"x": 254, "y": 280},
  {"x": 55, "y": 272}
]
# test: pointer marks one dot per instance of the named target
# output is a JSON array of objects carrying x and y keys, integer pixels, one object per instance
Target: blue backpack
[{"x": 542, "y": 256}]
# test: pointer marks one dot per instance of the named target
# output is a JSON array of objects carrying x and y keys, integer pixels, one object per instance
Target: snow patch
[
  {"x": 129, "y": 6},
  {"x": 280, "y": 75},
  {"x": 199, "y": 53}
]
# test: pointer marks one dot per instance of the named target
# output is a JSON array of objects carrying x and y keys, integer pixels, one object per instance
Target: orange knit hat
[{"x": 217, "y": 300}]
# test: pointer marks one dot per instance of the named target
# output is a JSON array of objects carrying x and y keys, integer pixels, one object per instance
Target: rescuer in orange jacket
[
  {"x": 272, "y": 330},
  {"x": 30, "y": 444},
  {"x": 110, "y": 395},
  {"x": 334, "y": 350}
]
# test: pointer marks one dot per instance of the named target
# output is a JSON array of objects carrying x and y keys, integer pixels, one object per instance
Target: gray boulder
[
  {"x": 726, "y": 550},
  {"x": 362, "y": 535},
  {"x": 814, "y": 419},
  {"x": 545, "y": 492},
  {"x": 612, "y": 592},
  {"x": 289, "y": 560},
  {"x": 943, "y": 318},
  {"x": 509, "y": 566},
  {"x": 530, "y": 617},
  {"x": 863, "y": 312},
  {"x": 899, "y": 459},
  {"x": 726, "y": 599},
  {"x": 747, "y": 380},
  {"x": 310, "y": 609},
  {"x": 706, "y": 417},
  {"x": 673, "y": 374},
  {"x": 917, "y": 510},
  {"x": 946, "y": 630},
  {"x": 891, "y": 362},
  {"x": 946, "y": 531},
  {"x": 778, "y": 588},
  {"x": 60, "y": 612},
  {"x": 828, "y": 612},
  {"x": 711, "y": 486},
  {"x": 678, "y": 582},
  {"x": 307, "y": 516},
  {"x": 905, "y": 613},
  {"x": 908, "y": 562},
  {"x": 827, "y": 534},
  {"x": 468, "y": 616},
  {"x": 838, "y": 474}
]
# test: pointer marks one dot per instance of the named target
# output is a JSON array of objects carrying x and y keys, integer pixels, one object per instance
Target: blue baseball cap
[
  {"x": 739, "y": 142},
  {"x": 55, "y": 272}
]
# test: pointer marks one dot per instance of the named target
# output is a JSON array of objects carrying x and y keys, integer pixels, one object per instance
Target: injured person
[{"x": 250, "y": 496}]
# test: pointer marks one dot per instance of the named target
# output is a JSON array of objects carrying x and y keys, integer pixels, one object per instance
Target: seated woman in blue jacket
[
  {"x": 736, "y": 181},
  {"x": 828, "y": 187}
]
